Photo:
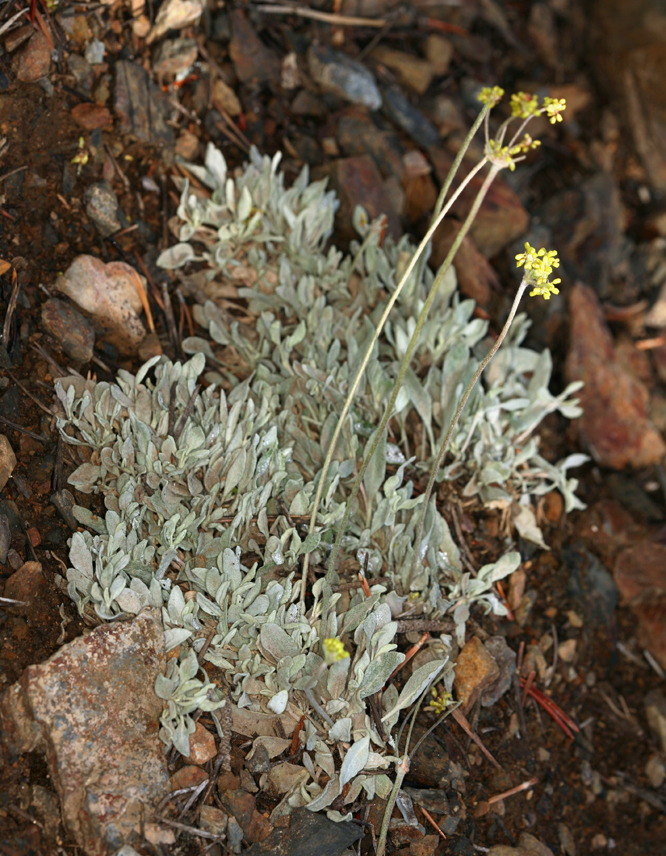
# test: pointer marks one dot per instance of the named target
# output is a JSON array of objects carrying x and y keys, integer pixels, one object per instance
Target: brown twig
[
  {"x": 18, "y": 168},
  {"x": 22, "y": 430},
  {"x": 191, "y": 829},
  {"x": 11, "y": 306},
  {"x": 408, "y": 656},
  {"x": 325, "y": 17},
  {"x": 138, "y": 284},
  {"x": 461, "y": 719},
  {"x": 522, "y": 787},
  {"x": 431, "y": 820}
]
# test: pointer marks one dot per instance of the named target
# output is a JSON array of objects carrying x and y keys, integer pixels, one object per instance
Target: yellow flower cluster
[
  {"x": 334, "y": 650},
  {"x": 491, "y": 95},
  {"x": 439, "y": 702},
  {"x": 539, "y": 265}
]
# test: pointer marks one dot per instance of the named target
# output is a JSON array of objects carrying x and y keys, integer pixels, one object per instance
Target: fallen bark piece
[
  {"x": 614, "y": 425},
  {"x": 91, "y": 710}
]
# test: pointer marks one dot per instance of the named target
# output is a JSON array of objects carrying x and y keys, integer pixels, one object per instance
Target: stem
[
  {"x": 366, "y": 359},
  {"x": 463, "y": 401},
  {"x": 402, "y": 770},
  {"x": 403, "y": 370},
  {"x": 448, "y": 181}
]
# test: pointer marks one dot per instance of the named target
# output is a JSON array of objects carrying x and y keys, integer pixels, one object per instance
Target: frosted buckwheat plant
[{"x": 228, "y": 479}]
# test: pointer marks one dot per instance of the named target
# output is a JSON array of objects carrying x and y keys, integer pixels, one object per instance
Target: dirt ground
[{"x": 592, "y": 793}]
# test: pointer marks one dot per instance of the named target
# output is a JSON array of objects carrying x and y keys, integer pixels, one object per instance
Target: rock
[
  {"x": 175, "y": 15},
  {"x": 187, "y": 146},
  {"x": 213, "y": 819},
  {"x": 102, "y": 208},
  {"x": 91, "y": 710},
  {"x": 528, "y": 845},
  {"x": 309, "y": 834},
  {"x": 628, "y": 59},
  {"x": 187, "y": 777},
  {"x": 408, "y": 118},
  {"x": 202, "y": 746},
  {"x": 82, "y": 71},
  {"x": 108, "y": 292},
  {"x": 447, "y": 116},
  {"x": 439, "y": 52},
  {"x": 74, "y": 332},
  {"x": 306, "y": 103},
  {"x": 141, "y": 106},
  {"x": 77, "y": 28},
  {"x": 344, "y": 77},
  {"x": 44, "y": 804},
  {"x": 283, "y": 778},
  {"x": 505, "y": 658},
  {"x": 357, "y": 181},
  {"x": 27, "y": 585},
  {"x": 412, "y": 71},
  {"x": 475, "y": 671},
  {"x": 591, "y": 586},
  {"x": 34, "y": 61},
  {"x": 16, "y": 37},
  {"x": 95, "y": 51},
  {"x": 361, "y": 134},
  {"x": 225, "y": 99},
  {"x": 614, "y": 426},
  {"x": 655, "y": 713},
  {"x": 655, "y": 770},
  {"x": 476, "y": 276},
  {"x": 253, "y": 61},
  {"x": 241, "y": 805},
  {"x": 91, "y": 116},
  {"x": 175, "y": 57},
  {"x": 7, "y": 461},
  {"x": 431, "y": 799},
  {"x": 420, "y": 191},
  {"x": 640, "y": 575},
  {"x": 431, "y": 764}
]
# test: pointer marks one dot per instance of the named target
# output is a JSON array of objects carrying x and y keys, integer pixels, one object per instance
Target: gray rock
[
  {"x": 102, "y": 208},
  {"x": 92, "y": 711},
  {"x": 338, "y": 74},
  {"x": 74, "y": 332},
  {"x": 506, "y": 660},
  {"x": 309, "y": 834}
]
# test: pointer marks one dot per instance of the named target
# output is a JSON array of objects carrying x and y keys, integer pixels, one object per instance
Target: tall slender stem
[
  {"x": 396, "y": 388},
  {"x": 456, "y": 418},
  {"x": 366, "y": 359}
]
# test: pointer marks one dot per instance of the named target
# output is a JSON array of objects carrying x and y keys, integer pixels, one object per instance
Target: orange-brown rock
[{"x": 614, "y": 426}]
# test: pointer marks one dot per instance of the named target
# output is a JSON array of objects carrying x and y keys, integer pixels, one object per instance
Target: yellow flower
[
  {"x": 439, "y": 702},
  {"x": 524, "y": 105},
  {"x": 490, "y": 95},
  {"x": 334, "y": 650},
  {"x": 539, "y": 265},
  {"x": 554, "y": 107}
]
